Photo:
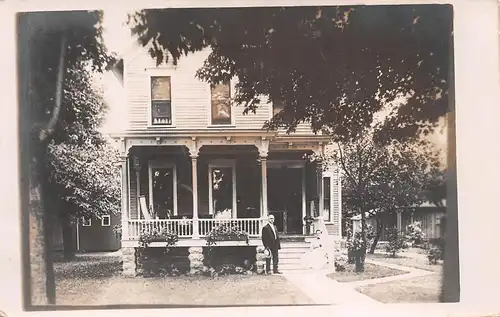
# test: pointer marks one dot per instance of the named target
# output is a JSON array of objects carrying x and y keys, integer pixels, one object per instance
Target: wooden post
[
  {"x": 193, "y": 153},
  {"x": 263, "y": 151},
  {"x": 124, "y": 198}
]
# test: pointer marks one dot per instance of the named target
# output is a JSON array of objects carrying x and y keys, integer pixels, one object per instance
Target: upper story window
[
  {"x": 221, "y": 104},
  {"x": 161, "y": 101}
]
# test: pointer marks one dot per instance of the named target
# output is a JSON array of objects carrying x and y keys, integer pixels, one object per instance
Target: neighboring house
[
  {"x": 428, "y": 214},
  {"x": 191, "y": 159},
  {"x": 91, "y": 235}
]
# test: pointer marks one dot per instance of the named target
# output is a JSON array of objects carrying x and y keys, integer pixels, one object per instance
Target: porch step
[
  {"x": 292, "y": 238},
  {"x": 295, "y": 245},
  {"x": 291, "y": 254},
  {"x": 330, "y": 228}
]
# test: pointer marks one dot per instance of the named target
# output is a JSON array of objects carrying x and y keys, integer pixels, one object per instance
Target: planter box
[{"x": 230, "y": 238}]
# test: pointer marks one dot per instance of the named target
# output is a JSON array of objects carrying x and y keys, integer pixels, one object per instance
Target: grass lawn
[
  {"x": 423, "y": 289},
  {"x": 91, "y": 280},
  {"x": 419, "y": 262},
  {"x": 371, "y": 271}
]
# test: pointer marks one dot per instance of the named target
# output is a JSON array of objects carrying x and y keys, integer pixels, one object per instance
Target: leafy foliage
[
  {"x": 333, "y": 67},
  {"x": 148, "y": 236},
  {"x": 85, "y": 50},
  {"x": 340, "y": 262},
  {"x": 226, "y": 233},
  {"x": 396, "y": 242},
  {"x": 85, "y": 178},
  {"x": 382, "y": 178},
  {"x": 414, "y": 233},
  {"x": 117, "y": 230},
  {"x": 434, "y": 254}
]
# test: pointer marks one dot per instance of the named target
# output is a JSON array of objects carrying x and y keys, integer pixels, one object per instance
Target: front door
[{"x": 284, "y": 195}]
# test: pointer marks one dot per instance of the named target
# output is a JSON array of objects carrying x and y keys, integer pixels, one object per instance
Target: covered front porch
[{"x": 189, "y": 185}]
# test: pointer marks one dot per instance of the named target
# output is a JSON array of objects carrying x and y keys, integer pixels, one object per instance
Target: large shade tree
[
  {"x": 334, "y": 67},
  {"x": 83, "y": 180},
  {"x": 51, "y": 44}
]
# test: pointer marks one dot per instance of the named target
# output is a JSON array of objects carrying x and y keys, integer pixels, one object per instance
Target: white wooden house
[{"x": 191, "y": 160}]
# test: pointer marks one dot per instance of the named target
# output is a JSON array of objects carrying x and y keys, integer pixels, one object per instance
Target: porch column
[
  {"x": 124, "y": 198},
  {"x": 194, "y": 170},
  {"x": 263, "y": 151},
  {"x": 263, "y": 165},
  {"x": 137, "y": 168}
]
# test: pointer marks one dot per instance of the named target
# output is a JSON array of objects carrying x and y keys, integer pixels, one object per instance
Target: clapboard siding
[
  {"x": 336, "y": 202},
  {"x": 190, "y": 96}
]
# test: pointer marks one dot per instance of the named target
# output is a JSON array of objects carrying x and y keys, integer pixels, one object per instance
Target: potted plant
[{"x": 308, "y": 221}]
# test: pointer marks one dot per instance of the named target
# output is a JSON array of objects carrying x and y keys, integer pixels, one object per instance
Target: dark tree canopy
[
  {"x": 333, "y": 67},
  {"x": 85, "y": 49}
]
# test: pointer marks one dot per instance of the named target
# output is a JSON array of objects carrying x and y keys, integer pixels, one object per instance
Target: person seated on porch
[{"x": 317, "y": 256}]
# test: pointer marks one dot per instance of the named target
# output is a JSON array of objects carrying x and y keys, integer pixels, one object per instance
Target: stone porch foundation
[
  {"x": 129, "y": 262},
  {"x": 260, "y": 258},
  {"x": 195, "y": 260}
]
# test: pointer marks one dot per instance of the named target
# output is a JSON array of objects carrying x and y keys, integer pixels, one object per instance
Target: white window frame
[
  {"x": 162, "y": 72},
  {"x": 108, "y": 217},
  {"x": 232, "y": 86},
  {"x": 162, "y": 164},
  {"x": 86, "y": 221},
  {"x": 222, "y": 163},
  {"x": 330, "y": 176}
]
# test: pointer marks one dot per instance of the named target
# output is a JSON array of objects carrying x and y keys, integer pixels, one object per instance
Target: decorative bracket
[
  {"x": 263, "y": 148},
  {"x": 194, "y": 148}
]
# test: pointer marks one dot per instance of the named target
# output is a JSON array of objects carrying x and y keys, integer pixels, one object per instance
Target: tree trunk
[
  {"x": 363, "y": 233},
  {"x": 380, "y": 226},
  {"x": 67, "y": 235},
  {"x": 42, "y": 280}
]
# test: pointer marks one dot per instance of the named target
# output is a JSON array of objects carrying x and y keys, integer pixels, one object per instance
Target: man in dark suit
[{"x": 271, "y": 241}]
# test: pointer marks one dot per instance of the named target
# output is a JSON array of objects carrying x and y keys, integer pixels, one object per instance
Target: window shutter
[{"x": 337, "y": 203}]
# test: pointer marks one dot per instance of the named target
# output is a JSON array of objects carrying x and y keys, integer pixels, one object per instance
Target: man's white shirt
[{"x": 274, "y": 230}]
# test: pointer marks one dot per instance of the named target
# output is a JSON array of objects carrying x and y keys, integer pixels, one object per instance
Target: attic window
[{"x": 161, "y": 101}]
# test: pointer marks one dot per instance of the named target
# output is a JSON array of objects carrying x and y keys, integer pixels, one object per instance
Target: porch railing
[
  {"x": 249, "y": 225},
  {"x": 184, "y": 228}
]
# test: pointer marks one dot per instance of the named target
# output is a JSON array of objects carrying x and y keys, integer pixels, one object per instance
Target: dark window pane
[
  {"x": 161, "y": 112},
  {"x": 222, "y": 189},
  {"x": 326, "y": 200},
  {"x": 163, "y": 191}
]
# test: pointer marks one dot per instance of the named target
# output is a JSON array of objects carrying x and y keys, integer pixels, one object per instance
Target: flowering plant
[{"x": 226, "y": 233}]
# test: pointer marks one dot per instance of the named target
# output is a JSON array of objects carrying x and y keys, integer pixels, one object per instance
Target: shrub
[
  {"x": 414, "y": 233},
  {"x": 117, "y": 230},
  {"x": 434, "y": 254},
  {"x": 340, "y": 263},
  {"x": 395, "y": 242},
  {"x": 439, "y": 244}
]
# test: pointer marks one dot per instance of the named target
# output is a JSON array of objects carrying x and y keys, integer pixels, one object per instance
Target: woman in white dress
[{"x": 316, "y": 258}]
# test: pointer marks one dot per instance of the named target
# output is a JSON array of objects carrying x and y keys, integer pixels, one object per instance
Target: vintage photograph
[{"x": 238, "y": 156}]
